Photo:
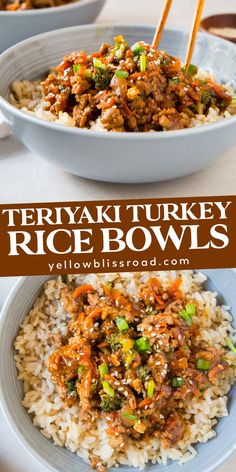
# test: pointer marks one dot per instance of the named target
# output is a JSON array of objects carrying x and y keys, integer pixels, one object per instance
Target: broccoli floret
[
  {"x": 109, "y": 404},
  {"x": 71, "y": 387},
  {"x": 122, "y": 49},
  {"x": 102, "y": 78},
  {"x": 114, "y": 341},
  {"x": 143, "y": 372},
  {"x": 207, "y": 98}
]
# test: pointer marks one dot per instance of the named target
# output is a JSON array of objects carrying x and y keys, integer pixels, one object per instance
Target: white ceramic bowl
[
  {"x": 19, "y": 25},
  {"x": 117, "y": 157},
  {"x": 211, "y": 455}
]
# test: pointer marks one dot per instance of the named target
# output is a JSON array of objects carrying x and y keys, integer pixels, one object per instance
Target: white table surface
[{"x": 26, "y": 178}]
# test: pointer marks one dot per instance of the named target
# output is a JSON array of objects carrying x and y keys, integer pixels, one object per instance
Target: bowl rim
[
  {"x": 74, "y": 5},
  {"x": 95, "y": 133},
  {"x": 4, "y": 312},
  {"x": 15, "y": 428}
]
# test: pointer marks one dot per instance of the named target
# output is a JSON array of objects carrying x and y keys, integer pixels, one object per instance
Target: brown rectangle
[{"x": 177, "y": 233}]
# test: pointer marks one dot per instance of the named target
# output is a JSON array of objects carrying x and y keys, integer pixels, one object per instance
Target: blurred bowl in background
[
  {"x": 18, "y": 25},
  {"x": 223, "y": 26}
]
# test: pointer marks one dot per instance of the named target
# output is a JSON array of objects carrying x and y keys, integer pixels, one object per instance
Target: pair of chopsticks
[{"x": 193, "y": 34}]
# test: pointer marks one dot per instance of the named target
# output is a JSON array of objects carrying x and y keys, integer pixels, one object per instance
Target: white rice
[
  {"x": 27, "y": 96},
  {"x": 64, "y": 425}
]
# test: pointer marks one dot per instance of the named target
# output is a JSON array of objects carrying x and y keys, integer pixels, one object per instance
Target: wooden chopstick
[
  {"x": 194, "y": 32},
  {"x": 161, "y": 25}
]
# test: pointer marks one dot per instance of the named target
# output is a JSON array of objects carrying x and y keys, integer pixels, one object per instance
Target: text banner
[{"x": 122, "y": 235}]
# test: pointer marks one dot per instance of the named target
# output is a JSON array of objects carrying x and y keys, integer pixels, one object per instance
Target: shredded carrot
[
  {"x": 118, "y": 297},
  {"x": 86, "y": 383},
  {"x": 135, "y": 75},
  {"x": 108, "y": 104},
  {"x": 174, "y": 289},
  {"x": 94, "y": 312},
  {"x": 13, "y": 7},
  {"x": 103, "y": 344},
  {"x": 114, "y": 359},
  {"x": 147, "y": 401},
  {"x": 126, "y": 108},
  {"x": 83, "y": 290},
  {"x": 180, "y": 363},
  {"x": 218, "y": 369}
]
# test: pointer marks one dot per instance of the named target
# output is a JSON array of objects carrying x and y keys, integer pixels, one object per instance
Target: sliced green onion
[
  {"x": 122, "y": 74},
  {"x": 137, "y": 48},
  {"x": 190, "y": 308},
  {"x": 130, "y": 417},
  {"x": 203, "y": 364},
  {"x": 99, "y": 64},
  {"x": 108, "y": 389},
  {"x": 76, "y": 68},
  {"x": 177, "y": 382},
  {"x": 186, "y": 317},
  {"x": 151, "y": 388},
  {"x": 143, "y": 63},
  {"x": 143, "y": 345},
  {"x": 202, "y": 82},
  {"x": 103, "y": 369},
  {"x": 192, "y": 69},
  {"x": 176, "y": 80},
  {"x": 121, "y": 324},
  {"x": 231, "y": 345}
]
